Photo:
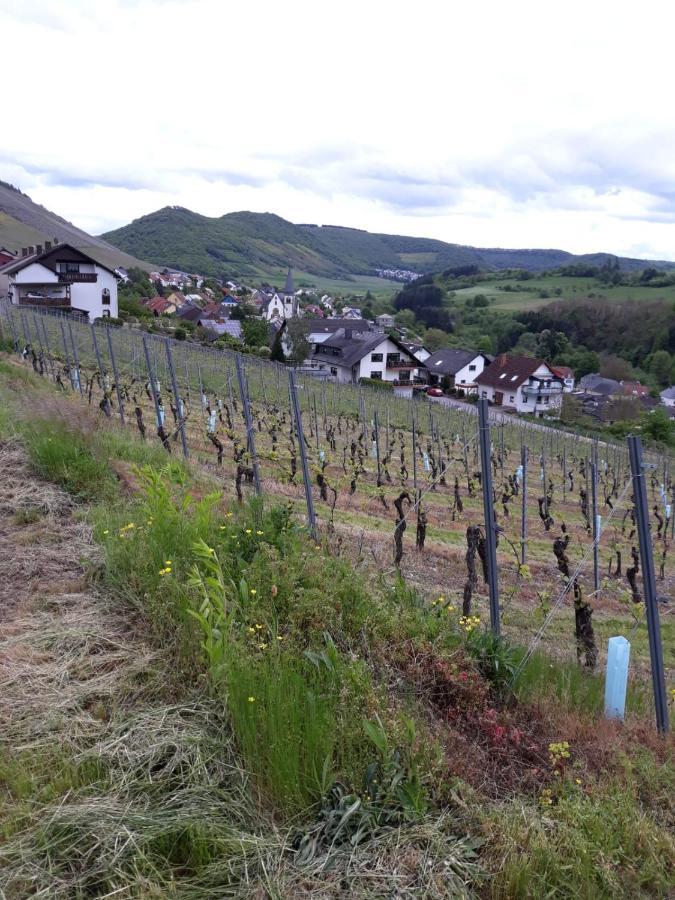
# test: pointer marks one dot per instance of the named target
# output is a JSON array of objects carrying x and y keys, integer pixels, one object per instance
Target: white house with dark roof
[
  {"x": 523, "y": 384},
  {"x": 668, "y": 396},
  {"x": 349, "y": 356},
  {"x": 456, "y": 368},
  {"x": 61, "y": 277}
]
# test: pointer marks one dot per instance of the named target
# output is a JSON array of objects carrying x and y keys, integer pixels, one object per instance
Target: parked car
[{"x": 435, "y": 392}]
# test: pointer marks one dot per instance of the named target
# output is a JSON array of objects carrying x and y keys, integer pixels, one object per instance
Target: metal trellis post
[
  {"x": 75, "y": 357},
  {"x": 250, "y": 438},
  {"x": 116, "y": 376},
  {"x": 489, "y": 514},
  {"x": 176, "y": 399},
  {"x": 637, "y": 468},
  {"x": 303, "y": 454}
]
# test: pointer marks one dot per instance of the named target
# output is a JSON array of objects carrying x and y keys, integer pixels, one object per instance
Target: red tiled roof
[
  {"x": 509, "y": 371},
  {"x": 563, "y": 371},
  {"x": 634, "y": 389}
]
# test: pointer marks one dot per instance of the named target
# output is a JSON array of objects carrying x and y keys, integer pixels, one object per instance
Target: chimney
[
  {"x": 24, "y": 251},
  {"x": 38, "y": 249},
  {"x": 48, "y": 246}
]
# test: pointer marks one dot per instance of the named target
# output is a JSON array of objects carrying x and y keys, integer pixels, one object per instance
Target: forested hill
[
  {"x": 24, "y": 223},
  {"x": 252, "y": 244}
]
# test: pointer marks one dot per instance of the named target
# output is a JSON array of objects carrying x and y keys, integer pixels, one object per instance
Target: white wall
[
  {"x": 88, "y": 296},
  {"x": 367, "y": 366},
  {"x": 466, "y": 376},
  {"x": 35, "y": 273}
]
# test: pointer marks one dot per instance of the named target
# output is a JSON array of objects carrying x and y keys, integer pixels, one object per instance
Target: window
[
  {"x": 377, "y": 375},
  {"x": 483, "y": 393},
  {"x": 106, "y": 313},
  {"x": 72, "y": 267},
  {"x": 511, "y": 398},
  {"x": 333, "y": 370},
  {"x": 105, "y": 297},
  {"x": 471, "y": 369},
  {"x": 503, "y": 375},
  {"x": 376, "y": 357}
]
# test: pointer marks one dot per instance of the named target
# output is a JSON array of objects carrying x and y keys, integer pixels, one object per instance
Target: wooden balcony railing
[{"x": 71, "y": 277}]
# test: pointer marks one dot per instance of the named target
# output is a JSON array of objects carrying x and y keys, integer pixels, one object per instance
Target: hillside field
[
  {"x": 574, "y": 288},
  {"x": 203, "y": 699}
]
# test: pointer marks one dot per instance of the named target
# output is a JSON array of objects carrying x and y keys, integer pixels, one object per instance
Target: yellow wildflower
[{"x": 251, "y": 699}]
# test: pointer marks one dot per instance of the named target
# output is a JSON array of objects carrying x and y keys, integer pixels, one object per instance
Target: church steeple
[{"x": 290, "y": 287}]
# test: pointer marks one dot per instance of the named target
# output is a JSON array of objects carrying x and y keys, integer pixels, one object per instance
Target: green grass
[
  {"x": 591, "y": 844},
  {"x": 62, "y": 455},
  {"x": 519, "y": 299},
  {"x": 246, "y": 738}
]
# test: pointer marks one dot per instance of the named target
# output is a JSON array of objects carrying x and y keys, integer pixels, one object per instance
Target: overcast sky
[{"x": 515, "y": 124}]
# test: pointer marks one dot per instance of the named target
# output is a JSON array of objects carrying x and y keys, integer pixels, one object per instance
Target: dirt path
[{"x": 63, "y": 655}]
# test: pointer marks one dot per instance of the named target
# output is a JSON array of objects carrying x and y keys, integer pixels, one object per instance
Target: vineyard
[
  {"x": 396, "y": 481},
  {"x": 251, "y": 645}
]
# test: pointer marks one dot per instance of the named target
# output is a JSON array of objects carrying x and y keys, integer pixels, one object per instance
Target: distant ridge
[
  {"x": 24, "y": 223},
  {"x": 255, "y": 244}
]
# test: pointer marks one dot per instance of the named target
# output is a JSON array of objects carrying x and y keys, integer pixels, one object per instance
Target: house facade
[
  {"x": 456, "y": 368},
  {"x": 349, "y": 356},
  {"x": 567, "y": 376},
  {"x": 385, "y": 321},
  {"x": 522, "y": 384},
  {"x": 668, "y": 397},
  {"x": 64, "y": 278},
  {"x": 281, "y": 305}
]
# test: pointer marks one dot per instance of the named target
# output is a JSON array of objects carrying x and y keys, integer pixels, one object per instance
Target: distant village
[{"x": 322, "y": 336}]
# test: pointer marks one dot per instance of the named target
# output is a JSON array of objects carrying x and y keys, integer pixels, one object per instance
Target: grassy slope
[
  {"x": 24, "y": 223},
  {"x": 120, "y": 805},
  {"x": 572, "y": 288}
]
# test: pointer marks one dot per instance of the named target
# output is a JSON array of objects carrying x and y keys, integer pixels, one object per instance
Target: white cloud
[{"x": 517, "y": 124}]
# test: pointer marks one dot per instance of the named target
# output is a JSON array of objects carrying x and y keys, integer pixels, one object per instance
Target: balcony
[
  {"x": 46, "y": 302},
  {"x": 547, "y": 389},
  {"x": 400, "y": 365},
  {"x": 72, "y": 277}
]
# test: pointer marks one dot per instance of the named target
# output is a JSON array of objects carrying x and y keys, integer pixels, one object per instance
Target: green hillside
[
  {"x": 245, "y": 244},
  {"x": 24, "y": 223}
]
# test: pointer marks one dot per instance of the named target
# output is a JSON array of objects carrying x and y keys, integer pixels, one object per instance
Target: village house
[
  {"x": 6, "y": 256},
  {"x": 178, "y": 299},
  {"x": 62, "y": 277},
  {"x": 602, "y": 387},
  {"x": 349, "y": 356},
  {"x": 634, "y": 389},
  {"x": 419, "y": 351},
  {"x": 668, "y": 397},
  {"x": 160, "y": 306},
  {"x": 385, "y": 321},
  {"x": 218, "y": 327},
  {"x": 523, "y": 384},
  {"x": 456, "y": 369},
  {"x": 567, "y": 376}
]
